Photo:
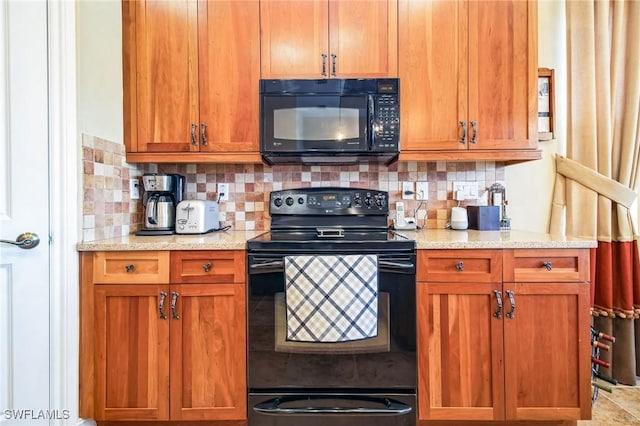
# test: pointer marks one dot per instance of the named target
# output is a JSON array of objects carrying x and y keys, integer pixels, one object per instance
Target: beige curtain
[{"x": 597, "y": 182}]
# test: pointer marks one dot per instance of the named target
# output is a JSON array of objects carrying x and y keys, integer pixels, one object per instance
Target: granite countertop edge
[{"x": 425, "y": 239}]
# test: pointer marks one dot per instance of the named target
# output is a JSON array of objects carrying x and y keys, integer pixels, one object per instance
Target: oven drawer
[
  {"x": 208, "y": 266},
  {"x": 548, "y": 265},
  {"x": 460, "y": 265},
  {"x": 322, "y": 409},
  {"x": 131, "y": 267}
]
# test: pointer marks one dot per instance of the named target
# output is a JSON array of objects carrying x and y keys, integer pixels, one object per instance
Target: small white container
[{"x": 459, "y": 218}]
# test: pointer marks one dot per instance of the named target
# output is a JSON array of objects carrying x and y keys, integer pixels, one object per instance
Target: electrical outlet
[
  {"x": 134, "y": 189},
  {"x": 223, "y": 191},
  {"x": 407, "y": 191},
  {"x": 422, "y": 190}
]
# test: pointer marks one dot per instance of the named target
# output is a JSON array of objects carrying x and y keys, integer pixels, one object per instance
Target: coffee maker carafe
[{"x": 162, "y": 192}]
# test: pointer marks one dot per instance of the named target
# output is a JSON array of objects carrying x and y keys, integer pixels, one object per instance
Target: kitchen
[{"x": 247, "y": 209}]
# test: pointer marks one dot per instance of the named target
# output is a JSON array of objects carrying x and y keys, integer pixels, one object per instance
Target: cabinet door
[
  {"x": 229, "y": 71},
  {"x": 363, "y": 38},
  {"x": 208, "y": 341},
  {"x": 132, "y": 353},
  {"x": 161, "y": 70},
  {"x": 433, "y": 72},
  {"x": 294, "y": 38},
  {"x": 460, "y": 363},
  {"x": 547, "y": 351},
  {"x": 503, "y": 72}
]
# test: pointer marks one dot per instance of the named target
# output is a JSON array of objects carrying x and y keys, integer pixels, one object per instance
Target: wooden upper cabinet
[
  {"x": 191, "y": 74},
  {"x": 163, "y": 74},
  {"x": 468, "y": 73},
  {"x": 329, "y": 38}
]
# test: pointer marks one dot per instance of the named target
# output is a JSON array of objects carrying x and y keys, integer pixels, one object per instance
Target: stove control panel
[{"x": 329, "y": 201}]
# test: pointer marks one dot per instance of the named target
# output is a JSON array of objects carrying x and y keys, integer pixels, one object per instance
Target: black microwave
[{"x": 330, "y": 121}]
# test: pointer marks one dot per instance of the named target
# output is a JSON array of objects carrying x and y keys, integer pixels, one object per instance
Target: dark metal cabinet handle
[
  {"x": 547, "y": 265},
  {"x": 512, "y": 301},
  {"x": 463, "y": 124},
  {"x": 194, "y": 137},
  {"x": 203, "y": 134},
  {"x": 207, "y": 266},
  {"x": 498, "y": 313},
  {"x": 163, "y": 295},
  {"x": 334, "y": 60},
  {"x": 174, "y": 300},
  {"x": 474, "y": 126},
  {"x": 130, "y": 268},
  {"x": 26, "y": 240},
  {"x": 460, "y": 266},
  {"x": 324, "y": 64}
]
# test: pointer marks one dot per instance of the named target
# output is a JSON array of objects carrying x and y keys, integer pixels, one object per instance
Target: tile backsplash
[{"x": 109, "y": 212}]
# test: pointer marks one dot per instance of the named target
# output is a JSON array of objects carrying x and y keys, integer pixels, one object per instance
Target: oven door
[
  {"x": 311, "y": 123},
  {"x": 386, "y": 362}
]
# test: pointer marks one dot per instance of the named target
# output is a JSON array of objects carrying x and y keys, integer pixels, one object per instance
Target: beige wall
[
  {"x": 530, "y": 185},
  {"x": 99, "y": 68}
]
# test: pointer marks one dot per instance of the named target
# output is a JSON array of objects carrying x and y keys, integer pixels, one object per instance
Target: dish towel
[{"x": 331, "y": 298}]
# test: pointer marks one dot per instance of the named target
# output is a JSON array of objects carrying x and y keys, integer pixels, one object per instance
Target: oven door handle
[
  {"x": 397, "y": 265},
  {"x": 391, "y": 407}
]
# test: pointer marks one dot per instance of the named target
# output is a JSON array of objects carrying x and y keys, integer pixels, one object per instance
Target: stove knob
[
  {"x": 289, "y": 201},
  {"x": 300, "y": 200},
  {"x": 367, "y": 201},
  {"x": 278, "y": 202},
  {"x": 379, "y": 202}
]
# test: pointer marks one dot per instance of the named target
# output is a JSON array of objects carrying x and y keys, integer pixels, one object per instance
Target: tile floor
[{"x": 619, "y": 408}]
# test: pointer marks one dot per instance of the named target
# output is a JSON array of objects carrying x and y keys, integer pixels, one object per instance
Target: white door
[{"x": 24, "y": 206}]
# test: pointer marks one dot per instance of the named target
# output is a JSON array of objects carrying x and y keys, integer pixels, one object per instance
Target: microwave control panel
[{"x": 386, "y": 134}]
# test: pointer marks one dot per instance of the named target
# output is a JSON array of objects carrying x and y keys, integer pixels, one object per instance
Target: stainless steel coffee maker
[{"x": 162, "y": 192}]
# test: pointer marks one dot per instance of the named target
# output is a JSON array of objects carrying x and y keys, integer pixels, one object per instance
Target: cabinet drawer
[
  {"x": 131, "y": 267},
  {"x": 554, "y": 265},
  {"x": 460, "y": 265},
  {"x": 211, "y": 266}
]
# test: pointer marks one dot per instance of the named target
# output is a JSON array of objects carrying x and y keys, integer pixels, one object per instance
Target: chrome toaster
[{"x": 197, "y": 217}]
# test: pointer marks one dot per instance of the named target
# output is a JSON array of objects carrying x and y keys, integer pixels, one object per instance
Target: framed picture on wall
[{"x": 546, "y": 104}]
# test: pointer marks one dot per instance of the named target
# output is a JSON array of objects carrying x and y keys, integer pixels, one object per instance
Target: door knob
[{"x": 26, "y": 240}]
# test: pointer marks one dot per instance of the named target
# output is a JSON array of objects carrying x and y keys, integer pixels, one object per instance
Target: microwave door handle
[{"x": 370, "y": 138}]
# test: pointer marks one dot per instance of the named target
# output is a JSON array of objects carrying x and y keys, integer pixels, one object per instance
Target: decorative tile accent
[{"x": 108, "y": 210}]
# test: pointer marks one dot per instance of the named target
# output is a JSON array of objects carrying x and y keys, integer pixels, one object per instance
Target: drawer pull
[
  {"x": 130, "y": 267},
  {"x": 547, "y": 265},
  {"x": 498, "y": 313},
  {"x": 163, "y": 295},
  {"x": 463, "y": 124},
  {"x": 207, "y": 266},
  {"x": 174, "y": 300},
  {"x": 460, "y": 266},
  {"x": 512, "y": 301}
]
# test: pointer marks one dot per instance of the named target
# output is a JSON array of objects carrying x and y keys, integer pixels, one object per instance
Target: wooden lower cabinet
[
  {"x": 162, "y": 352},
  {"x": 528, "y": 360}
]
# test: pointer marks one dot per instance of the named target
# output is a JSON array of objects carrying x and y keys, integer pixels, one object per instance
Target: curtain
[{"x": 597, "y": 183}]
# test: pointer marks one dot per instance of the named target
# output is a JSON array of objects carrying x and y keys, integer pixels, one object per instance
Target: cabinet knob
[
  {"x": 130, "y": 268},
  {"x": 547, "y": 265},
  {"x": 460, "y": 266},
  {"x": 206, "y": 267}
]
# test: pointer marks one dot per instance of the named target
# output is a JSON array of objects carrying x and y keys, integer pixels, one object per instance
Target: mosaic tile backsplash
[{"x": 109, "y": 212}]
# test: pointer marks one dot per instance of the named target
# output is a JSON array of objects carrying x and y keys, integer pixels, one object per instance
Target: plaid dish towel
[{"x": 331, "y": 298}]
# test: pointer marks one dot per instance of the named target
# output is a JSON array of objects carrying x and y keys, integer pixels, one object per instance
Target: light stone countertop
[
  {"x": 513, "y": 239},
  {"x": 425, "y": 239},
  {"x": 223, "y": 240}
]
